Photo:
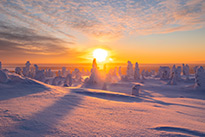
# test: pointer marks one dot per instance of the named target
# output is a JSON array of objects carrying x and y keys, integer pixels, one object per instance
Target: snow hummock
[
  {"x": 3, "y": 77},
  {"x": 136, "y": 90}
]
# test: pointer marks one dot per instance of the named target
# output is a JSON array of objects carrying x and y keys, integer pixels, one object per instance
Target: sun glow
[{"x": 100, "y": 54}]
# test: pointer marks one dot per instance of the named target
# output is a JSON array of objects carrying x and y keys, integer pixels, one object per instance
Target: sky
[{"x": 67, "y": 31}]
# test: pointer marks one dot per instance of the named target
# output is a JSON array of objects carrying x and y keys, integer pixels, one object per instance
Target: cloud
[
  {"x": 105, "y": 18},
  {"x": 16, "y": 38}
]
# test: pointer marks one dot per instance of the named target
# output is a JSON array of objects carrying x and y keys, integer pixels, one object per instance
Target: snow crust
[{"x": 151, "y": 107}]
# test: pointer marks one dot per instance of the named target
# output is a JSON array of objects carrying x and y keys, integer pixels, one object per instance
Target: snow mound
[
  {"x": 15, "y": 85},
  {"x": 108, "y": 95},
  {"x": 3, "y": 77}
]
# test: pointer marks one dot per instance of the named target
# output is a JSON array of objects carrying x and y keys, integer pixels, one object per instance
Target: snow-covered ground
[{"x": 31, "y": 108}]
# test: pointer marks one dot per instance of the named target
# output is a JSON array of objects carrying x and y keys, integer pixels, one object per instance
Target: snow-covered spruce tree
[
  {"x": 173, "y": 78},
  {"x": 26, "y": 68},
  {"x": 137, "y": 72},
  {"x": 94, "y": 77},
  {"x": 200, "y": 78},
  {"x": 130, "y": 72},
  {"x": 178, "y": 73}
]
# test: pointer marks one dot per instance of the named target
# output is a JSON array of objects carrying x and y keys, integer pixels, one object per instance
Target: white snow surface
[{"x": 29, "y": 108}]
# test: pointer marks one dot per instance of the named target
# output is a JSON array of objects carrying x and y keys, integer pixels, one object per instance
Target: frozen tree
[
  {"x": 178, "y": 73},
  {"x": 59, "y": 73},
  {"x": 83, "y": 73},
  {"x": 40, "y": 75},
  {"x": 68, "y": 81},
  {"x": 187, "y": 71},
  {"x": 58, "y": 81},
  {"x": 28, "y": 64},
  {"x": 77, "y": 75},
  {"x": 195, "y": 68},
  {"x": 94, "y": 77},
  {"x": 36, "y": 67},
  {"x": 113, "y": 75},
  {"x": 200, "y": 78},
  {"x": 31, "y": 73},
  {"x": 152, "y": 72},
  {"x": 0, "y": 65},
  {"x": 3, "y": 77},
  {"x": 63, "y": 71},
  {"x": 173, "y": 68},
  {"x": 143, "y": 74},
  {"x": 129, "y": 70},
  {"x": 183, "y": 69},
  {"x": 25, "y": 73},
  {"x": 173, "y": 78},
  {"x": 50, "y": 73},
  {"x": 164, "y": 72},
  {"x": 26, "y": 68},
  {"x": 46, "y": 72},
  {"x": 18, "y": 70},
  {"x": 147, "y": 73},
  {"x": 120, "y": 71},
  {"x": 137, "y": 72}
]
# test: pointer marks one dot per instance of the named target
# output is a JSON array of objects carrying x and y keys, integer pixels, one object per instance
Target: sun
[{"x": 100, "y": 54}]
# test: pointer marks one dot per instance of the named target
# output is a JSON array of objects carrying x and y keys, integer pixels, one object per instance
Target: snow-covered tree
[
  {"x": 120, "y": 71},
  {"x": 18, "y": 70},
  {"x": 64, "y": 71},
  {"x": 178, "y": 73},
  {"x": 94, "y": 77},
  {"x": 173, "y": 78},
  {"x": 137, "y": 72},
  {"x": 164, "y": 72},
  {"x": 200, "y": 78},
  {"x": 26, "y": 68},
  {"x": 130, "y": 72},
  {"x": 68, "y": 80}
]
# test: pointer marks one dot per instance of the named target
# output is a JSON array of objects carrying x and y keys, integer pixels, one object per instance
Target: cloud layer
[{"x": 49, "y": 26}]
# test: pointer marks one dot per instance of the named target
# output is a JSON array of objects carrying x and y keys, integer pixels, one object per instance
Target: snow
[
  {"x": 32, "y": 108},
  {"x": 3, "y": 77}
]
